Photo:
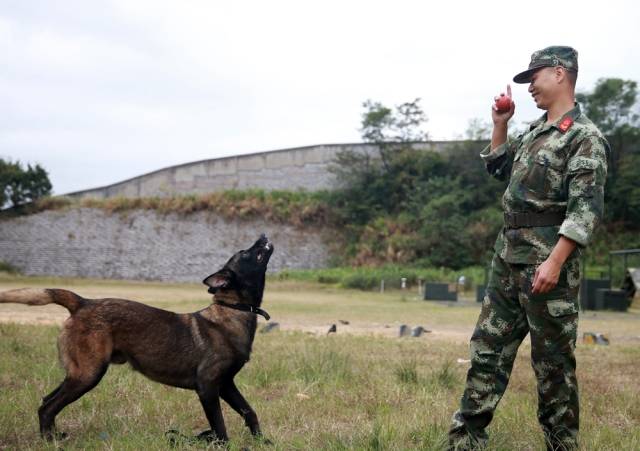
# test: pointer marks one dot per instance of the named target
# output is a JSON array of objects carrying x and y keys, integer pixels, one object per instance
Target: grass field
[{"x": 362, "y": 388}]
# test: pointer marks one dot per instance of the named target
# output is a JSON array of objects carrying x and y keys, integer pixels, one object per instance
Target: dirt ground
[
  {"x": 55, "y": 315},
  {"x": 313, "y": 309},
  {"x": 619, "y": 328}
]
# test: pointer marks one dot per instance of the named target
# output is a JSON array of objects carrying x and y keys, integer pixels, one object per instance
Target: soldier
[{"x": 554, "y": 200}]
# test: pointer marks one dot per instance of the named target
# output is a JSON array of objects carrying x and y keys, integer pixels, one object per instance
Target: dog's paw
[
  {"x": 207, "y": 436},
  {"x": 174, "y": 437},
  {"x": 210, "y": 436},
  {"x": 55, "y": 436},
  {"x": 177, "y": 438},
  {"x": 263, "y": 440}
]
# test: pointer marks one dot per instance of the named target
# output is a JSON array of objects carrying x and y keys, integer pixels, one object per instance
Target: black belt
[{"x": 521, "y": 220}]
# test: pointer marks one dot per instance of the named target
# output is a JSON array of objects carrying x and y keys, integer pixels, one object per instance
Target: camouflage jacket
[{"x": 554, "y": 168}]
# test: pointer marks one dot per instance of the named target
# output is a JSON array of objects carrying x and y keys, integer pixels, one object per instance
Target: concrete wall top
[{"x": 300, "y": 168}]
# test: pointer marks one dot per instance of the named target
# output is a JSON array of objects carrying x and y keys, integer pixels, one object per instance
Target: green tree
[
  {"x": 613, "y": 107},
  {"x": 400, "y": 204},
  {"x": 443, "y": 226},
  {"x": 379, "y": 189},
  {"x": 381, "y": 124},
  {"x": 478, "y": 130},
  {"x": 379, "y": 182},
  {"x": 611, "y": 104},
  {"x": 391, "y": 130},
  {"x": 463, "y": 160},
  {"x": 19, "y": 186},
  {"x": 623, "y": 198}
]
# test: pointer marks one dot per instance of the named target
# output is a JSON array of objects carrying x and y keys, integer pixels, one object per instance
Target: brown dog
[{"x": 201, "y": 351}]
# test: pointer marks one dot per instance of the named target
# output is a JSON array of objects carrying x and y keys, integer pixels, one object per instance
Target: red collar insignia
[{"x": 565, "y": 124}]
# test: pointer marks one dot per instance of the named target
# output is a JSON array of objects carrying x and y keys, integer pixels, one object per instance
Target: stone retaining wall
[{"x": 144, "y": 245}]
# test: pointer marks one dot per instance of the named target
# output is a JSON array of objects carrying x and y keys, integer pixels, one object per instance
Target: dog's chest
[
  {"x": 239, "y": 339},
  {"x": 231, "y": 336}
]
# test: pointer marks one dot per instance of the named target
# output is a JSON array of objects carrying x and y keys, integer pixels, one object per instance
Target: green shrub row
[{"x": 365, "y": 278}]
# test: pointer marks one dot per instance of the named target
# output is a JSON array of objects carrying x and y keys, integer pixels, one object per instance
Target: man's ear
[{"x": 217, "y": 280}]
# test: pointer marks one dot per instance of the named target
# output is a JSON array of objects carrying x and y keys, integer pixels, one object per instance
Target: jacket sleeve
[
  {"x": 586, "y": 176},
  {"x": 500, "y": 161}
]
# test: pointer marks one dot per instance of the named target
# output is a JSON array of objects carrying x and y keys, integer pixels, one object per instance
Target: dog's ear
[{"x": 217, "y": 280}]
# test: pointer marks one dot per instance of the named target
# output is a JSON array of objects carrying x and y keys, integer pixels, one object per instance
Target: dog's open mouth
[{"x": 266, "y": 251}]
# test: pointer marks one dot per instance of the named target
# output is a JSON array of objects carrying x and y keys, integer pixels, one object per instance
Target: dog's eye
[{"x": 245, "y": 255}]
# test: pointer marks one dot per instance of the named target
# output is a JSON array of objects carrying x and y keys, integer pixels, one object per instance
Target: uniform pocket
[
  {"x": 545, "y": 174},
  {"x": 536, "y": 176},
  {"x": 561, "y": 307}
]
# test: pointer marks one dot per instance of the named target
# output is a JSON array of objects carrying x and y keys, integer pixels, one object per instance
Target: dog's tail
[{"x": 44, "y": 296}]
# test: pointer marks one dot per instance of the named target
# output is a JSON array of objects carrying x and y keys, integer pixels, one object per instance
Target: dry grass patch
[{"x": 312, "y": 391}]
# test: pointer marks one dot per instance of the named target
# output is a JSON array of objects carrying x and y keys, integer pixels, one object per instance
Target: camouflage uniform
[{"x": 555, "y": 170}]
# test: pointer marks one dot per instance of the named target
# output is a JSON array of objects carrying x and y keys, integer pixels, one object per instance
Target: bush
[
  {"x": 298, "y": 208},
  {"x": 369, "y": 278},
  {"x": 8, "y": 268}
]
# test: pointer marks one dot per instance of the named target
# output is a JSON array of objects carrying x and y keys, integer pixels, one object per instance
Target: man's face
[{"x": 544, "y": 86}]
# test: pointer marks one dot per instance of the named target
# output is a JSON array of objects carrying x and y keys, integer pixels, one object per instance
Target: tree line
[{"x": 442, "y": 209}]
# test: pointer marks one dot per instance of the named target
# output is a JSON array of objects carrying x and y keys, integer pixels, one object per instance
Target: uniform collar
[{"x": 569, "y": 117}]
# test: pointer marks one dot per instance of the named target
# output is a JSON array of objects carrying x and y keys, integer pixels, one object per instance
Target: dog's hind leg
[
  {"x": 52, "y": 394},
  {"x": 230, "y": 393},
  {"x": 45, "y": 400},
  {"x": 85, "y": 354},
  {"x": 210, "y": 399},
  {"x": 69, "y": 391}
]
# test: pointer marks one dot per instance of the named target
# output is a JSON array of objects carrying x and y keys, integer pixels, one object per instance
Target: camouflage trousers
[{"x": 509, "y": 312}]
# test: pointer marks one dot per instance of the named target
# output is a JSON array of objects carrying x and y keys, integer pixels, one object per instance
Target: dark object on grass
[
  {"x": 595, "y": 339},
  {"x": 201, "y": 351},
  {"x": 343, "y": 321},
  {"x": 631, "y": 282},
  {"x": 332, "y": 330},
  {"x": 588, "y": 289},
  {"x": 417, "y": 331},
  {"x": 269, "y": 327},
  {"x": 612, "y": 300},
  {"x": 440, "y": 292},
  {"x": 404, "y": 330}
]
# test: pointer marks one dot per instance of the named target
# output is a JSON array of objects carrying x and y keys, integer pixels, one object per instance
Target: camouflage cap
[{"x": 556, "y": 55}]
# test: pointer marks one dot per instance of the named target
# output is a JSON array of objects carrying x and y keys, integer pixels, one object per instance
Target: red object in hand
[{"x": 503, "y": 103}]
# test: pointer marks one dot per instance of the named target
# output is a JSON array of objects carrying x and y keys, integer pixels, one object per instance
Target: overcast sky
[{"x": 98, "y": 91}]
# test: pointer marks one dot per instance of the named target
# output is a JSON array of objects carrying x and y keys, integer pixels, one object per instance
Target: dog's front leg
[
  {"x": 210, "y": 399},
  {"x": 230, "y": 393}
]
